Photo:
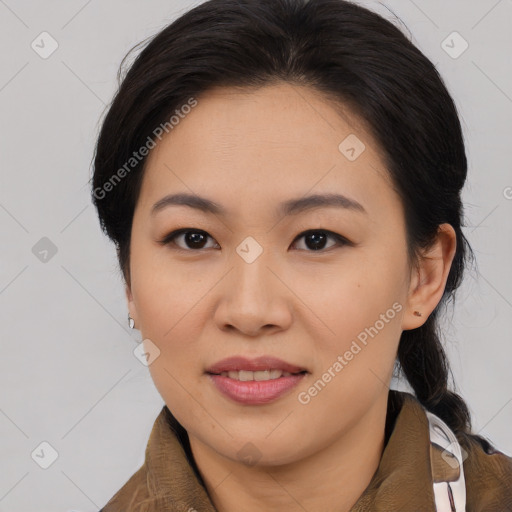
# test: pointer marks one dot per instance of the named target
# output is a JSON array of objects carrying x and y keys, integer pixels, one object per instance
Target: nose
[{"x": 254, "y": 298}]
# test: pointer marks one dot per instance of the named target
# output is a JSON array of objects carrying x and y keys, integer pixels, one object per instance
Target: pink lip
[
  {"x": 254, "y": 392},
  {"x": 259, "y": 363}
]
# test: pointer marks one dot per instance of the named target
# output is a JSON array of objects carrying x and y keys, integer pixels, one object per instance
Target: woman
[{"x": 282, "y": 180}]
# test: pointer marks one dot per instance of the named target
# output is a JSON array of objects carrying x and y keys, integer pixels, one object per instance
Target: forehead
[
  {"x": 249, "y": 142},
  {"x": 273, "y": 115}
]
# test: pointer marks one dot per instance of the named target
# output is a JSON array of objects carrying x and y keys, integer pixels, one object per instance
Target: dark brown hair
[{"x": 351, "y": 55}]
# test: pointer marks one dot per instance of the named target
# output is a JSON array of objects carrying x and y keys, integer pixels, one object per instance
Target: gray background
[{"x": 68, "y": 375}]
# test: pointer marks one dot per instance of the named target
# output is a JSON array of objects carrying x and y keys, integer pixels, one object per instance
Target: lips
[
  {"x": 256, "y": 381},
  {"x": 262, "y": 363}
]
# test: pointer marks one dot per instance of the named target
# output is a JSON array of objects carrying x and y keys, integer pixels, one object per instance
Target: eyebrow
[{"x": 286, "y": 208}]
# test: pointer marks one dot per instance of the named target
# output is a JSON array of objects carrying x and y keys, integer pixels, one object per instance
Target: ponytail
[{"x": 424, "y": 363}]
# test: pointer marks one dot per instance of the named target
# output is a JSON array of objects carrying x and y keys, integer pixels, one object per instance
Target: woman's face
[{"x": 247, "y": 282}]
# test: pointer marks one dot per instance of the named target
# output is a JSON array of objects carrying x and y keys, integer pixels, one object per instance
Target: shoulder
[
  {"x": 487, "y": 471},
  {"x": 488, "y": 474},
  {"x": 134, "y": 490}
]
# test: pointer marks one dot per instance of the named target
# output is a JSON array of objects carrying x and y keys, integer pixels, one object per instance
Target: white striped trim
[{"x": 449, "y": 496}]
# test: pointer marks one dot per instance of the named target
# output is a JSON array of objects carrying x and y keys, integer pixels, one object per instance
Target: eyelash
[{"x": 341, "y": 241}]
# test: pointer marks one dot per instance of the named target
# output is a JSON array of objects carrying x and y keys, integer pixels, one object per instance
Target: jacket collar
[
  {"x": 403, "y": 480},
  {"x": 169, "y": 480}
]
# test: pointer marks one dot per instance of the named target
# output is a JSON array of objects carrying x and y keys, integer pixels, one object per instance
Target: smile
[
  {"x": 256, "y": 381},
  {"x": 261, "y": 375}
]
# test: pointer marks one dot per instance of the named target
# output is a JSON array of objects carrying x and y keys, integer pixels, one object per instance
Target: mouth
[
  {"x": 255, "y": 381},
  {"x": 258, "y": 365},
  {"x": 259, "y": 376}
]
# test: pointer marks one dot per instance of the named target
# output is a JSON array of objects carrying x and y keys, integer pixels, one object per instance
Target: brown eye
[
  {"x": 193, "y": 239},
  {"x": 196, "y": 240},
  {"x": 315, "y": 240}
]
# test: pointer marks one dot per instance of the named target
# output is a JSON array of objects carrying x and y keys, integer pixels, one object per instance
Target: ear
[{"x": 428, "y": 278}]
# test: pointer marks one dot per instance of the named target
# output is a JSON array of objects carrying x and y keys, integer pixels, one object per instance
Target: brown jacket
[{"x": 169, "y": 481}]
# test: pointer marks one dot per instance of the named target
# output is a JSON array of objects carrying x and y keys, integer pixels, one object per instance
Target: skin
[{"x": 249, "y": 150}]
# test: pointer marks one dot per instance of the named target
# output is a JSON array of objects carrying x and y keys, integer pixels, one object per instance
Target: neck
[{"x": 331, "y": 479}]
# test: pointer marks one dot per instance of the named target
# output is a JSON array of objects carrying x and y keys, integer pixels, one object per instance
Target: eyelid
[
  {"x": 169, "y": 238},
  {"x": 340, "y": 239}
]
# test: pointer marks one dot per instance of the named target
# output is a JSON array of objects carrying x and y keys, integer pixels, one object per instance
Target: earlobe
[{"x": 429, "y": 277}]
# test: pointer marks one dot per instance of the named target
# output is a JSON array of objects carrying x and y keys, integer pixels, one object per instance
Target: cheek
[
  {"x": 166, "y": 295},
  {"x": 352, "y": 296},
  {"x": 166, "y": 303},
  {"x": 177, "y": 372}
]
